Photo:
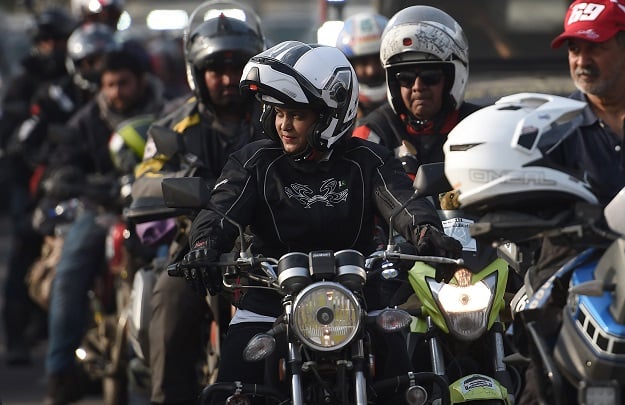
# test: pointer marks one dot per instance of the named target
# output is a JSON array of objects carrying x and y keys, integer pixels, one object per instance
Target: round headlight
[{"x": 326, "y": 316}]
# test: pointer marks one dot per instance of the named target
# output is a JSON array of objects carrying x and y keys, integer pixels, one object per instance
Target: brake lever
[{"x": 385, "y": 254}]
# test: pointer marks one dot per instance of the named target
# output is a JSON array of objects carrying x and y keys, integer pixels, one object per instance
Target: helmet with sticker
[{"x": 425, "y": 35}]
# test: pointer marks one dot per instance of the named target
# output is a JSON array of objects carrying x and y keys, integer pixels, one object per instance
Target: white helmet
[
  {"x": 361, "y": 35},
  {"x": 309, "y": 75},
  {"x": 424, "y": 34},
  {"x": 614, "y": 212},
  {"x": 499, "y": 155}
]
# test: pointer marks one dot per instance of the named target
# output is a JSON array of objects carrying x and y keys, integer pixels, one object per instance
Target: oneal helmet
[
  {"x": 361, "y": 35},
  {"x": 91, "y": 40},
  {"x": 296, "y": 74},
  {"x": 100, "y": 11},
  {"x": 499, "y": 155},
  {"x": 424, "y": 34},
  {"x": 229, "y": 33}
]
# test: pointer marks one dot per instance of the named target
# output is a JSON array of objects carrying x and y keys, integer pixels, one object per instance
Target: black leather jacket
[
  {"x": 305, "y": 206},
  {"x": 383, "y": 126}
]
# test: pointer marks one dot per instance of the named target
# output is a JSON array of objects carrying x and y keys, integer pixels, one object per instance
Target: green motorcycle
[{"x": 456, "y": 318}]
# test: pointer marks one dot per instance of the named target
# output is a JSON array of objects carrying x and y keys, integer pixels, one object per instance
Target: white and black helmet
[
  {"x": 499, "y": 155},
  {"x": 361, "y": 35},
  {"x": 424, "y": 34},
  {"x": 227, "y": 30},
  {"x": 320, "y": 77}
]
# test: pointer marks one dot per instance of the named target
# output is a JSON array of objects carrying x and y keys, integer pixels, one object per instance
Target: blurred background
[
  {"x": 509, "y": 48},
  {"x": 509, "y": 39}
]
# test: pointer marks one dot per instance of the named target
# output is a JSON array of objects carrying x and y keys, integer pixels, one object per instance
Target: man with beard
[
  {"x": 126, "y": 90},
  {"x": 594, "y": 33},
  {"x": 209, "y": 126}
]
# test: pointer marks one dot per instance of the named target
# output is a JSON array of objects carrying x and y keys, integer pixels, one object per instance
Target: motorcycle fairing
[
  {"x": 477, "y": 387},
  {"x": 590, "y": 329},
  {"x": 422, "y": 275}
]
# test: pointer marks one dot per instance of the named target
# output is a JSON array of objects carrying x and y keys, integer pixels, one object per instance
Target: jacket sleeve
[
  {"x": 234, "y": 195},
  {"x": 393, "y": 188}
]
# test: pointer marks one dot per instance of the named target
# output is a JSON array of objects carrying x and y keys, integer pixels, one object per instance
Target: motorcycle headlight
[
  {"x": 465, "y": 309},
  {"x": 326, "y": 316}
]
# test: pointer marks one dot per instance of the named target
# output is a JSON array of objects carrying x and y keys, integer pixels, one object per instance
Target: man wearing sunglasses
[{"x": 425, "y": 54}]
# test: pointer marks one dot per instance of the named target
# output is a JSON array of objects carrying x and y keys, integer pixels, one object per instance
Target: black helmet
[
  {"x": 89, "y": 40},
  {"x": 232, "y": 33},
  {"x": 53, "y": 23}
]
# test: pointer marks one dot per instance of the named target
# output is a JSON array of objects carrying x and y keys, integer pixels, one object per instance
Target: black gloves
[
  {"x": 197, "y": 267},
  {"x": 432, "y": 242}
]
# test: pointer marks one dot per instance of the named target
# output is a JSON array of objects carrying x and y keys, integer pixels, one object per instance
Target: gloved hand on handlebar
[
  {"x": 199, "y": 272},
  {"x": 432, "y": 242}
]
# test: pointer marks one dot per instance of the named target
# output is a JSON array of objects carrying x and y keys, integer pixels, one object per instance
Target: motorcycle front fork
[
  {"x": 295, "y": 363},
  {"x": 500, "y": 371}
]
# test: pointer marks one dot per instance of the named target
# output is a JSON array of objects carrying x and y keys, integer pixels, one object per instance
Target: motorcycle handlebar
[
  {"x": 177, "y": 269},
  {"x": 385, "y": 254},
  {"x": 239, "y": 387}
]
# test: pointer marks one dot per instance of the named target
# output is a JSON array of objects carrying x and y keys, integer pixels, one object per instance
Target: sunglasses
[{"x": 428, "y": 77}]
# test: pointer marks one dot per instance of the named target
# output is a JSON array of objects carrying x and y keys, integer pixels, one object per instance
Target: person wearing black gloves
[{"x": 310, "y": 186}]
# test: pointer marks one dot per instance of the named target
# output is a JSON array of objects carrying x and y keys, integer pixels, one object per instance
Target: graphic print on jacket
[
  {"x": 310, "y": 207},
  {"x": 327, "y": 195}
]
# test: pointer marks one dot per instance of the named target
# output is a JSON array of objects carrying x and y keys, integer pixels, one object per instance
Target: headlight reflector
[
  {"x": 466, "y": 309},
  {"x": 326, "y": 316}
]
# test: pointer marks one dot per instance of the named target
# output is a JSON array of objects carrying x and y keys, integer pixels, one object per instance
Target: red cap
[{"x": 595, "y": 21}]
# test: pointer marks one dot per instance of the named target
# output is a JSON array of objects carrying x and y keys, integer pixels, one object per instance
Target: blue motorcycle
[{"x": 571, "y": 325}]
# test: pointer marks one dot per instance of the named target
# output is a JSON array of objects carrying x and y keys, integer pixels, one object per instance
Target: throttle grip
[{"x": 175, "y": 270}]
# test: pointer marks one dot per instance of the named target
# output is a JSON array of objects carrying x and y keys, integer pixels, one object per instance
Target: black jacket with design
[{"x": 305, "y": 206}]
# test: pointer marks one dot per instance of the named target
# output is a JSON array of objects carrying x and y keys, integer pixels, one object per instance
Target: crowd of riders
[{"x": 255, "y": 121}]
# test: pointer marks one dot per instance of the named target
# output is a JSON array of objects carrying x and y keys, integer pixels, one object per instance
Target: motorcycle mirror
[
  {"x": 431, "y": 180},
  {"x": 166, "y": 140},
  {"x": 193, "y": 193},
  {"x": 185, "y": 192}
]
